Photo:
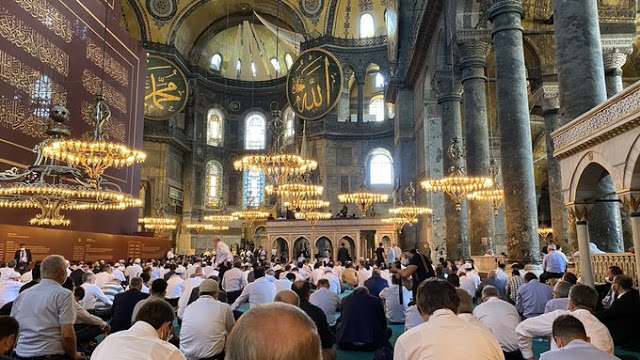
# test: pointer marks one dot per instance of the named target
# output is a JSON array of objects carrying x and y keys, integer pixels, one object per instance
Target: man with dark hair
[
  {"x": 22, "y": 258},
  {"x": 380, "y": 255},
  {"x": 343, "y": 254},
  {"x": 261, "y": 291},
  {"x": 573, "y": 343},
  {"x": 124, "y": 303},
  {"x": 582, "y": 301},
  {"x": 9, "y": 329},
  {"x": 439, "y": 337},
  {"x": 146, "y": 339},
  {"x": 418, "y": 266},
  {"x": 326, "y": 300},
  {"x": 533, "y": 296},
  {"x": 303, "y": 290},
  {"x": 623, "y": 317},
  {"x": 513, "y": 285},
  {"x": 158, "y": 292},
  {"x": 375, "y": 284},
  {"x": 570, "y": 278},
  {"x": 607, "y": 294},
  {"x": 362, "y": 311},
  {"x": 233, "y": 281}
]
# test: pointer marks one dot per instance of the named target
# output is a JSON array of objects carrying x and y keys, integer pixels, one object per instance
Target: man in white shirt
[
  {"x": 133, "y": 270},
  {"x": 205, "y": 324},
  {"x": 444, "y": 335},
  {"x": 233, "y": 282},
  {"x": 92, "y": 293},
  {"x": 573, "y": 343},
  {"x": 582, "y": 301},
  {"x": 145, "y": 340},
  {"x": 9, "y": 272},
  {"x": 170, "y": 254},
  {"x": 118, "y": 274},
  {"x": 187, "y": 288},
  {"x": 326, "y": 300},
  {"x": 259, "y": 292},
  {"x": 397, "y": 251},
  {"x": 395, "y": 309},
  {"x": 334, "y": 281},
  {"x": 501, "y": 318},
  {"x": 363, "y": 274},
  {"x": 223, "y": 253},
  {"x": 104, "y": 276},
  {"x": 470, "y": 281},
  {"x": 175, "y": 285},
  {"x": 285, "y": 283},
  {"x": 9, "y": 290},
  {"x": 316, "y": 274}
]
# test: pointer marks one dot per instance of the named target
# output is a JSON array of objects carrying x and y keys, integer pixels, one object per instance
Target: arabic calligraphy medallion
[
  {"x": 314, "y": 84},
  {"x": 165, "y": 89}
]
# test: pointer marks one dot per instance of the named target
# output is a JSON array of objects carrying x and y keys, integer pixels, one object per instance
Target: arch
[
  {"x": 216, "y": 62},
  {"x": 631, "y": 175},
  {"x": 350, "y": 244},
  {"x": 386, "y": 241},
  {"x": 214, "y": 184},
  {"x": 215, "y": 127},
  {"x": 588, "y": 182},
  {"x": 323, "y": 248},
  {"x": 302, "y": 248},
  {"x": 281, "y": 245},
  {"x": 379, "y": 164},
  {"x": 587, "y": 159},
  {"x": 255, "y": 131},
  {"x": 366, "y": 26}
]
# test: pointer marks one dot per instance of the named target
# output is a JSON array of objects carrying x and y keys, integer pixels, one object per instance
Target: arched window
[
  {"x": 289, "y": 118},
  {"x": 216, "y": 62},
  {"x": 214, "y": 184},
  {"x": 367, "y": 27},
  {"x": 253, "y": 188},
  {"x": 379, "y": 81},
  {"x": 215, "y": 127},
  {"x": 288, "y": 60},
  {"x": 276, "y": 64},
  {"x": 239, "y": 67},
  {"x": 255, "y": 132},
  {"x": 376, "y": 107},
  {"x": 380, "y": 167}
]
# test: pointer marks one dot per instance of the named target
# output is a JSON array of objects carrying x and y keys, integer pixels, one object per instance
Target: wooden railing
[{"x": 601, "y": 263}]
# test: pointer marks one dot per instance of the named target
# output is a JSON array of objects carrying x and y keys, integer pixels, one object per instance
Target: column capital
[
  {"x": 580, "y": 211},
  {"x": 473, "y": 47},
  {"x": 615, "y": 49},
  {"x": 504, "y": 6},
  {"x": 547, "y": 96},
  {"x": 446, "y": 86},
  {"x": 630, "y": 200}
]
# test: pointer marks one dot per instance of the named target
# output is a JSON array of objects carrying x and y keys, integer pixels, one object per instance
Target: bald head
[
  {"x": 253, "y": 337},
  {"x": 287, "y": 297}
]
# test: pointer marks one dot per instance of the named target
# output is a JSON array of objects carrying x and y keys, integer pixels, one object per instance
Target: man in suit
[
  {"x": 124, "y": 303},
  {"x": 22, "y": 257},
  {"x": 343, "y": 254},
  {"x": 375, "y": 284},
  {"x": 360, "y": 312},
  {"x": 623, "y": 317}
]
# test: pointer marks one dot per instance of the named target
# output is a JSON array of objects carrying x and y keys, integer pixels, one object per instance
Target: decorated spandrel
[
  {"x": 165, "y": 89},
  {"x": 314, "y": 84}
]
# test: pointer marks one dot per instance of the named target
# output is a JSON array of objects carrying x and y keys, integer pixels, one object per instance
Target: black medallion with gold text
[
  {"x": 165, "y": 89},
  {"x": 314, "y": 84}
]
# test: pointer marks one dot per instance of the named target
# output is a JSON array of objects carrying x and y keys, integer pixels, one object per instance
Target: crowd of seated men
[{"x": 247, "y": 308}]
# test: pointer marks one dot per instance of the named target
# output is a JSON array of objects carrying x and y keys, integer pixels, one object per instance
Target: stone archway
[
  {"x": 302, "y": 248},
  {"x": 323, "y": 248},
  {"x": 281, "y": 247},
  {"x": 350, "y": 245}
]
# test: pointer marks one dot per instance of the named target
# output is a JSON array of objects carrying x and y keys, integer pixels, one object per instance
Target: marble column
[
  {"x": 434, "y": 169},
  {"x": 586, "y": 268},
  {"x": 579, "y": 57},
  {"x": 615, "y": 50},
  {"x": 360, "y": 80},
  {"x": 605, "y": 218},
  {"x": 344, "y": 106},
  {"x": 449, "y": 92},
  {"x": 473, "y": 55},
  {"x": 547, "y": 96},
  {"x": 515, "y": 132}
]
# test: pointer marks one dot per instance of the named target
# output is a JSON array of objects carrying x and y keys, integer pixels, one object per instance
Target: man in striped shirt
[{"x": 513, "y": 285}]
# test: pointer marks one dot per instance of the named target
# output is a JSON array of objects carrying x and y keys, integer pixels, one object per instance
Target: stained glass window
[
  {"x": 255, "y": 132},
  {"x": 367, "y": 27},
  {"x": 215, "y": 127},
  {"x": 253, "y": 188},
  {"x": 214, "y": 184},
  {"x": 289, "y": 118},
  {"x": 380, "y": 167}
]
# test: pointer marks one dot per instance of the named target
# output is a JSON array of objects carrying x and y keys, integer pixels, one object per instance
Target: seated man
[
  {"x": 206, "y": 324},
  {"x": 533, "y": 296},
  {"x": 375, "y": 284},
  {"x": 260, "y": 292},
  {"x": 395, "y": 302},
  {"x": 303, "y": 290},
  {"x": 349, "y": 276},
  {"x": 573, "y": 343},
  {"x": 300, "y": 341},
  {"x": 491, "y": 280},
  {"x": 87, "y": 326},
  {"x": 92, "y": 293},
  {"x": 444, "y": 335},
  {"x": 554, "y": 264},
  {"x": 501, "y": 318},
  {"x": 124, "y": 304},
  {"x": 623, "y": 317},
  {"x": 326, "y": 300},
  {"x": 582, "y": 301},
  {"x": 361, "y": 311},
  {"x": 560, "y": 299},
  {"x": 146, "y": 339},
  {"x": 9, "y": 329}
]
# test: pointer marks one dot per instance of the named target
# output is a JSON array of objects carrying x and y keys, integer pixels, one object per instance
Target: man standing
[
  {"x": 22, "y": 257},
  {"x": 439, "y": 337},
  {"x": 380, "y": 256},
  {"x": 418, "y": 267},
  {"x": 223, "y": 255},
  {"x": 123, "y": 305},
  {"x": 554, "y": 265},
  {"x": 47, "y": 332},
  {"x": 343, "y": 254},
  {"x": 502, "y": 319},
  {"x": 205, "y": 324}
]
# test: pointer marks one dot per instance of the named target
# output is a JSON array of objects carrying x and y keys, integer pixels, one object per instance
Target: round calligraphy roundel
[
  {"x": 165, "y": 89},
  {"x": 314, "y": 84}
]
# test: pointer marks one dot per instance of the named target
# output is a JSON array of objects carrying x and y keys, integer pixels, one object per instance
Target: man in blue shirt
[
  {"x": 554, "y": 265},
  {"x": 533, "y": 296}
]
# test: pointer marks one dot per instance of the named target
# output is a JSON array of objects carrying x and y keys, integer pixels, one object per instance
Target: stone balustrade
[{"x": 601, "y": 262}]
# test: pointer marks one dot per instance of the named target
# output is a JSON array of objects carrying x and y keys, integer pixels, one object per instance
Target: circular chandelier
[
  {"x": 494, "y": 195},
  {"x": 410, "y": 211},
  {"x": 202, "y": 227},
  {"x": 251, "y": 215},
  {"x": 544, "y": 232},
  {"x": 158, "y": 223},
  {"x": 364, "y": 200},
  {"x": 53, "y": 187},
  {"x": 276, "y": 167},
  {"x": 399, "y": 222},
  {"x": 312, "y": 217},
  {"x": 457, "y": 185},
  {"x": 294, "y": 192},
  {"x": 308, "y": 205}
]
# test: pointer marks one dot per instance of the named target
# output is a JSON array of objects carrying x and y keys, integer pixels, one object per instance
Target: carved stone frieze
[
  {"x": 446, "y": 85},
  {"x": 615, "y": 49},
  {"x": 547, "y": 96}
]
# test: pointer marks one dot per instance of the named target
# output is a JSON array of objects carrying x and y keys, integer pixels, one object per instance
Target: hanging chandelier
[
  {"x": 211, "y": 223},
  {"x": 544, "y": 231},
  {"x": 409, "y": 210},
  {"x": 204, "y": 227},
  {"x": 399, "y": 222},
  {"x": 364, "y": 200},
  {"x": 293, "y": 193},
  {"x": 308, "y": 205},
  {"x": 494, "y": 195},
  {"x": 312, "y": 217},
  {"x": 158, "y": 223},
  {"x": 52, "y": 187},
  {"x": 251, "y": 215},
  {"x": 457, "y": 185}
]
